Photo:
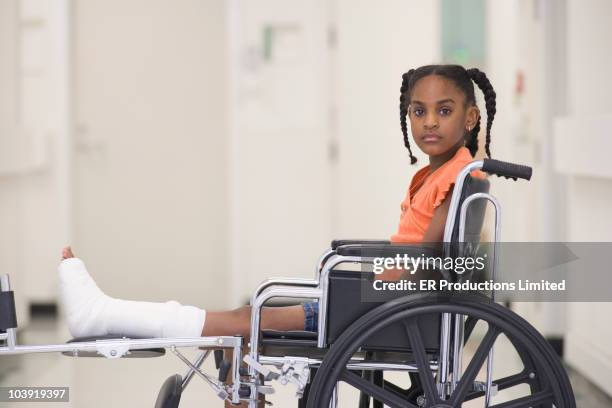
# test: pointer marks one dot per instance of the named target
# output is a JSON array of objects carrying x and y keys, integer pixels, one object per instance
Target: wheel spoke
[
  {"x": 422, "y": 361},
  {"x": 470, "y": 323},
  {"x": 416, "y": 388},
  {"x": 387, "y": 397},
  {"x": 390, "y": 386},
  {"x": 512, "y": 380},
  {"x": 378, "y": 378},
  {"x": 364, "y": 399},
  {"x": 465, "y": 384},
  {"x": 528, "y": 401},
  {"x": 502, "y": 384}
]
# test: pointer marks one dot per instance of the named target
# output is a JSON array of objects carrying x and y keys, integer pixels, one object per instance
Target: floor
[{"x": 98, "y": 382}]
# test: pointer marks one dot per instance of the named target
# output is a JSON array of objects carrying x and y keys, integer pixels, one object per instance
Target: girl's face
[{"x": 439, "y": 118}]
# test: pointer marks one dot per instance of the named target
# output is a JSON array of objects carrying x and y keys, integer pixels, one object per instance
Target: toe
[{"x": 67, "y": 253}]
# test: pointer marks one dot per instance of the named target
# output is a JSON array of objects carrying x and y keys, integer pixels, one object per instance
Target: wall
[
  {"x": 279, "y": 161},
  {"x": 328, "y": 124},
  {"x": 150, "y": 144},
  {"x": 33, "y": 140},
  {"x": 376, "y": 45},
  {"x": 590, "y": 190}
]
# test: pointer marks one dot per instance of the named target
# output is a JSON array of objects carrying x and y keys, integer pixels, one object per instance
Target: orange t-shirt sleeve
[
  {"x": 442, "y": 188},
  {"x": 446, "y": 181}
]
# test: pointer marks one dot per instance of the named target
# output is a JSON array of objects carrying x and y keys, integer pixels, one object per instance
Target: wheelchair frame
[{"x": 296, "y": 369}]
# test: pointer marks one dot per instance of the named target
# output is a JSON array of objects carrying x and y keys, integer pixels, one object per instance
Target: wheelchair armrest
[
  {"x": 341, "y": 242},
  {"x": 272, "y": 291},
  {"x": 336, "y": 243},
  {"x": 390, "y": 250},
  {"x": 297, "y": 282}
]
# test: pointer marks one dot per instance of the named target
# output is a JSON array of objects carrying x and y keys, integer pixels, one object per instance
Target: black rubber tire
[{"x": 550, "y": 383}]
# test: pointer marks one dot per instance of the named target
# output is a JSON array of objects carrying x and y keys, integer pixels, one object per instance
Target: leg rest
[{"x": 145, "y": 353}]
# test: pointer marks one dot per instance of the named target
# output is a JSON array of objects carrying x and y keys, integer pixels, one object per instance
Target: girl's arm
[{"x": 435, "y": 232}]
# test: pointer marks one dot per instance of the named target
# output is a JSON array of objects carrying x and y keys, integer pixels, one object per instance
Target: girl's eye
[
  {"x": 417, "y": 112},
  {"x": 445, "y": 111}
]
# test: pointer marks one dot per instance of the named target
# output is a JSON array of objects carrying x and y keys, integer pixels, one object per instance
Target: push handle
[{"x": 507, "y": 170}]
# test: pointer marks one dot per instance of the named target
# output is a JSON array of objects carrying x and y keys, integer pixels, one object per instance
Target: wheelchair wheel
[{"x": 542, "y": 370}]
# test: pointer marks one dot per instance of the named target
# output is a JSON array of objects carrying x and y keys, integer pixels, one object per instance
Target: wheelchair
[{"x": 421, "y": 335}]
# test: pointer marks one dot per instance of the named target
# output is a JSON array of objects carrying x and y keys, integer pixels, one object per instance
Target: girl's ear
[{"x": 473, "y": 113}]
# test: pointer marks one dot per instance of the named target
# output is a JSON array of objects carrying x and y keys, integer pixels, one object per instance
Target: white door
[
  {"x": 280, "y": 155},
  {"x": 150, "y": 206}
]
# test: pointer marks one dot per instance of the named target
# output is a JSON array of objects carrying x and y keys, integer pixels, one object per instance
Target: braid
[
  {"x": 485, "y": 86},
  {"x": 404, "y": 111}
]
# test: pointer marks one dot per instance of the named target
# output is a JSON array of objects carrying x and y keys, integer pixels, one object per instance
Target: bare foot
[{"x": 67, "y": 253}]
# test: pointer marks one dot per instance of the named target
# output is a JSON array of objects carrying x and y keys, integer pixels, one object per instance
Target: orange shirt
[{"x": 426, "y": 192}]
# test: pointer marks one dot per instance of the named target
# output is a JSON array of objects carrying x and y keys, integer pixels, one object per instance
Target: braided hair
[
  {"x": 404, "y": 111},
  {"x": 463, "y": 80}
]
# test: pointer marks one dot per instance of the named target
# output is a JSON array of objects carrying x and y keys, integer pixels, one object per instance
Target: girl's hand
[
  {"x": 67, "y": 253},
  {"x": 390, "y": 275}
]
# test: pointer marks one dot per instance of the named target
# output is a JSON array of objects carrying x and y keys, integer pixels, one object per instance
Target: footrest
[{"x": 144, "y": 353}]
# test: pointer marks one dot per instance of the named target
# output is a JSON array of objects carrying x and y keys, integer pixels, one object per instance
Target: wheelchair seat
[{"x": 297, "y": 338}]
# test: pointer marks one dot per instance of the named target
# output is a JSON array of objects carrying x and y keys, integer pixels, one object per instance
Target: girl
[{"x": 444, "y": 120}]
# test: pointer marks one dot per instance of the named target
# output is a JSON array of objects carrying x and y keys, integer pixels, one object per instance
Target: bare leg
[
  {"x": 238, "y": 321},
  {"x": 228, "y": 355}
]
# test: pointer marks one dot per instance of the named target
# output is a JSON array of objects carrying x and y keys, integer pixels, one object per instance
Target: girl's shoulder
[
  {"x": 450, "y": 170},
  {"x": 444, "y": 180}
]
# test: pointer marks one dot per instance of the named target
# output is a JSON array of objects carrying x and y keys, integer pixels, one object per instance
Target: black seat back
[
  {"x": 475, "y": 213},
  {"x": 347, "y": 304}
]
